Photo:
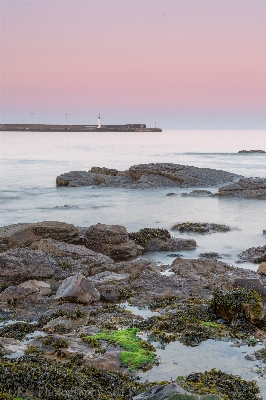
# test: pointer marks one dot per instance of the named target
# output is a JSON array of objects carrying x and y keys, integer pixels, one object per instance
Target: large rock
[
  {"x": 76, "y": 252},
  {"x": 20, "y": 297},
  {"x": 41, "y": 287},
  {"x": 198, "y": 193},
  {"x": 172, "y": 244},
  {"x": 200, "y": 278},
  {"x": 262, "y": 268},
  {"x": 156, "y": 239},
  {"x": 161, "y": 392},
  {"x": 22, "y": 235},
  {"x": 77, "y": 289},
  {"x": 251, "y": 283},
  {"x": 148, "y": 175},
  {"x": 249, "y": 188},
  {"x": 180, "y": 175},
  {"x": 232, "y": 304},
  {"x": 55, "y": 262},
  {"x": 256, "y": 255},
  {"x": 112, "y": 240}
]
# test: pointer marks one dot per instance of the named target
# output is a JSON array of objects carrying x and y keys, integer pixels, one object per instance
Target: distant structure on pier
[
  {"x": 99, "y": 122},
  {"x": 79, "y": 128}
]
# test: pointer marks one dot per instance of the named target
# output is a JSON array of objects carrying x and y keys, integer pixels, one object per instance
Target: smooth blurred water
[{"x": 30, "y": 162}]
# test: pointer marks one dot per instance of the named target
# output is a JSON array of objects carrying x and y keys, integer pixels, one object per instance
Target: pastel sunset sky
[{"x": 184, "y": 64}]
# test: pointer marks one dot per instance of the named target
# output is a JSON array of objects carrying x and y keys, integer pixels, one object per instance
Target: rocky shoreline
[
  {"x": 152, "y": 176},
  {"x": 67, "y": 287}
]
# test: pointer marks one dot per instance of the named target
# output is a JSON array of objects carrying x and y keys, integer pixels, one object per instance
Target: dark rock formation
[
  {"x": 156, "y": 239},
  {"x": 256, "y": 255},
  {"x": 200, "y": 227},
  {"x": 249, "y": 188},
  {"x": 148, "y": 176},
  {"x": 198, "y": 193},
  {"x": 22, "y": 235},
  {"x": 251, "y": 151},
  {"x": 112, "y": 240}
]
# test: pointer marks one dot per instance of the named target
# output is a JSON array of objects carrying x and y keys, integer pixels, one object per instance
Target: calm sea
[{"x": 30, "y": 162}]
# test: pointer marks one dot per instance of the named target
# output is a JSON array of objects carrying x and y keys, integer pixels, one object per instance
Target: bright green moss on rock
[{"x": 136, "y": 352}]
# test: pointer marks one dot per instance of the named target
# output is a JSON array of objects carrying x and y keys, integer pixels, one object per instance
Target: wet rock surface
[
  {"x": 22, "y": 235},
  {"x": 112, "y": 240},
  {"x": 256, "y": 255},
  {"x": 200, "y": 227},
  {"x": 77, "y": 288},
  {"x": 249, "y": 188},
  {"x": 70, "y": 298},
  {"x": 198, "y": 193},
  {"x": 145, "y": 176},
  {"x": 160, "y": 239}
]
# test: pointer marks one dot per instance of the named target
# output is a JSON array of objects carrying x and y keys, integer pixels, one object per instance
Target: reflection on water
[{"x": 177, "y": 359}]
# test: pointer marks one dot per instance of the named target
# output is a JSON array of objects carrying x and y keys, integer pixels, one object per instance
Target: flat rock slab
[
  {"x": 248, "y": 188},
  {"x": 151, "y": 175},
  {"x": 22, "y": 235}
]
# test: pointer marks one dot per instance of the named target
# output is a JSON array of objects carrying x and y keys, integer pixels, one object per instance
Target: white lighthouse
[{"x": 99, "y": 121}]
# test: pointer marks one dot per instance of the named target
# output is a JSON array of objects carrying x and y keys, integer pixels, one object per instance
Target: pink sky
[{"x": 186, "y": 64}]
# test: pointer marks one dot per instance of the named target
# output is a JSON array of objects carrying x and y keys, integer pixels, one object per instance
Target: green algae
[
  {"x": 213, "y": 325},
  {"x": 136, "y": 353},
  {"x": 54, "y": 342},
  {"x": 200, "y": 227},
  {"x": 143, "y": 236},
  {"x": 18, "y": 330},
  {"x": 73, "y": 314},
  {"x": 51, "y": 380}
]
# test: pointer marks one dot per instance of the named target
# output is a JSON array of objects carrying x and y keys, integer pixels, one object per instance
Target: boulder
[
  {"x": 256, "y": 255},
  {"x": 172, "y": 244},
  {"x": 111, "y": 285},
  {"x": 200, "y": 277},
  {"x": 232, "y": 304},
  {"x": 77, "y": 289},
  {"x": 112, "y": 240},
  {"x": 249, "y": 188},
  {"x": 262, "y": 268},
  {"x": 251, "y": 283},
  {"x": 41, "y": 287},
  {"x": 76, "y": 252},
  {"x": 156, "y": 239},
  {"x": 58, "y": 324},
  {"x": 22, "y": 235},
  {"x": 161, "y": 392},
  {"x": 18, "y": 297}
]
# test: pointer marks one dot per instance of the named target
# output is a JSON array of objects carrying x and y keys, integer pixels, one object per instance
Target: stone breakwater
[{"x": 145, "y": 176}]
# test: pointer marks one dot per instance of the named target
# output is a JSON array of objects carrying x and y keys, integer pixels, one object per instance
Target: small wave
[{"x": 65, "y": 207}]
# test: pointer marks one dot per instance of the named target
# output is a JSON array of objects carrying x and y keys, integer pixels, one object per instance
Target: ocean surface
[{"x": 30, "y": 162}]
